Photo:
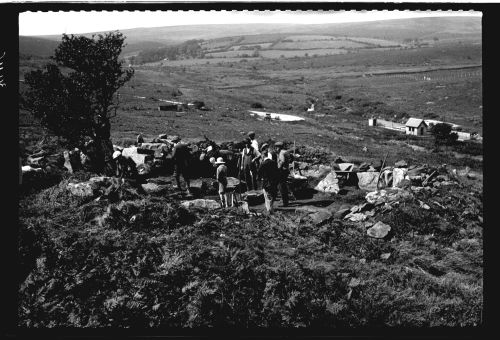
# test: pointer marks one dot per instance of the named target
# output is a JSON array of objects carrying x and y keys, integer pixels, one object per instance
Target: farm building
[
  {"x": 415, "y": 126},
  {"x": 372, "y": 122},
  {"x": 463, "y": 135}
]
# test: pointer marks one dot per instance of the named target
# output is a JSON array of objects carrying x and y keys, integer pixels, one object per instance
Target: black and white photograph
[{"x": 246, "y": 169}]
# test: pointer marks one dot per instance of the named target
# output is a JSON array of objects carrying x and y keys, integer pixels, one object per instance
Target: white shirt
[{"x": 255, "y": 145}]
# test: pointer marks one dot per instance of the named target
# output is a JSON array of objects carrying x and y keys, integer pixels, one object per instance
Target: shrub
[{"x": 256, "y": 105}]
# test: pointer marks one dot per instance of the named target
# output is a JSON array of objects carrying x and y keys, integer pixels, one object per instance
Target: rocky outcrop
[
  {"x": 201, "y": 203},
  {"x": 330, "y": 184},
  {"x": 138, "y": 158},
  {"x": 367, "y": 180}
]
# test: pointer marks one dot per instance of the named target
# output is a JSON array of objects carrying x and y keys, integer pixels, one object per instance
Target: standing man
[
  {"x": 256, "y": 160},
  {"x": 221, "y": 175},
  {"x": 284, "y": 171},
  {"x": 268, "y": 171},
  {"x": 139, "y": 139},
  {"x": 180, "y": 156},
  {"x": 247, "y": 165},
  {"x": 254, "y": 142}
]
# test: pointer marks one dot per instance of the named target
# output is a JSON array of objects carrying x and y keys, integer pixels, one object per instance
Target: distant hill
[
  {"x": 35, "y": 46},
  {"x": 398, "y": 30}
]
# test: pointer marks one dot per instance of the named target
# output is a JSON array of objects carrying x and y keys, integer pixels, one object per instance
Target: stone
[
  {"x": 442, "y": 178},
  {"x": 201, "y": 203},
  {"x": 152, "y": 146},
  {"x": 471, "y": 176},
  {"x": 153, "y": 188},
  {"x": 401, "y": 164},
  {"x": 330, "y": 184},
  {"x": 341, "y": 213},
  {"x": 385, "y": 256},
  {"x": 232, "y": 183},
  {"x": 367, "y": 180},
  {"x": 363, "y": 167},
  {"x": 320, "y": 217},
  {"x": 316, "y": 172},
  {"x": 346, "y": 166},
  {"x": 424, "y": 206},
  {"x": 354, "y": 282},
  {"x": 417, "y": 171},
  {"x": 302, "y": 165},
  {"x": 83, "y": 189},
  {"x": 387, "y": 196},
  {"x": 355, "y": 217},
  {"x": 138, "y": 158},
  {"x": 160, "y": 180},
  {"x": 398, "y": 175},
  {"x": 309, "y": 209},
  {"x": 370, "y": 213},
  {"x": 379, "y": 230},
  {"x": 35, "y": 161}
]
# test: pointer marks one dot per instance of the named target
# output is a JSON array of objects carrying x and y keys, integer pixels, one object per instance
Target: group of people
[
  {"x": 265, "y": 168},
  {"x": 270, "y": 164}
]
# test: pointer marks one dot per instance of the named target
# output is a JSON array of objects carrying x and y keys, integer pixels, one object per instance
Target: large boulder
[
  {"x": 401, "y": 164},
  {"x": 355, "y": 217},
  {"x": 138, "y": 158},
  {"x": 387, "y": 196},
  {"x": 93, "y": 187},
  {"x": 398, "y": 175},
  {"x": 379, "y": 230},
  {"x": 316, "y": 173},
  {"x": 368, "y": 180},
  {"x": 83, "y": 189},
  {"x": 154, "y": 188},
  {"x": 346, "y": 166},
  {"x": 320, "y": 217},
  {"x": 201, "y": 203},
  {"x": 232, "y": 183},
  {"x": 35, "y": 161},
  {"x": 330, "y": 184}
]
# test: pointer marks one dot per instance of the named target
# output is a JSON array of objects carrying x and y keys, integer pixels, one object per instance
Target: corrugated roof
[{"x": 414, "y": 122}]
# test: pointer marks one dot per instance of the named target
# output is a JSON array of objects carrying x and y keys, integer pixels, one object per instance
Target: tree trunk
[{"x": 102, "y": 158}]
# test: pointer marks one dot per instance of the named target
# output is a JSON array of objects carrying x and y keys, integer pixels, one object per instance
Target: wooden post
[{"x": 381, "y": 168}]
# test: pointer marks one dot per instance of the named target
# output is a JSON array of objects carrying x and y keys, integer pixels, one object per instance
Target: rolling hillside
[{"x": 443, "y": 28}]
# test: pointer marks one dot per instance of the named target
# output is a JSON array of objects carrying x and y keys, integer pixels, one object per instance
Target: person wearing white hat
[
  {"x": 119, "y": 166},
  {"x": 221, "y": 175}
]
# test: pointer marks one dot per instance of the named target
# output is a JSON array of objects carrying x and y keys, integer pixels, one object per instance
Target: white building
[{"x": 416, "y": 127}]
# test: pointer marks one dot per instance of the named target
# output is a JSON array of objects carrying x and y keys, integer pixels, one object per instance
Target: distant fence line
[{"x": 432, "y": 75}]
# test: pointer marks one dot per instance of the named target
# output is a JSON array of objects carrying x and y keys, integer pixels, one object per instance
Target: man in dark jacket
[
  {"x": 180, "y": 156},
  {"x": 284, "y": 171},
  {"x": 268, "y": 171}
]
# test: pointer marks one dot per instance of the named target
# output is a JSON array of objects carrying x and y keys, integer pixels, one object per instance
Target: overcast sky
[{"x": 45, "y": 23}]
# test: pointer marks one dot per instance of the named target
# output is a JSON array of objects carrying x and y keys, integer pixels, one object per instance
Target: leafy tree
[
  {"x": 443, "y": 134},
  {"x": 76, "y": 96}
]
